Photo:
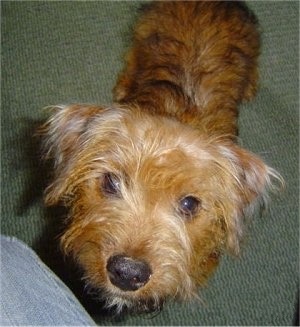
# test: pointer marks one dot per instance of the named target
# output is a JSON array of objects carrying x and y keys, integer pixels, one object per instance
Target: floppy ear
[
  {"x": 64, "y": 128},
  {"x": 62, "y": 133},
  {"x": 247, "y": 184}
]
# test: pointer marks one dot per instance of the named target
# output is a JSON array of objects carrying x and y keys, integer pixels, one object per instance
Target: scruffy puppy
[{"x": 157, "y": 188}]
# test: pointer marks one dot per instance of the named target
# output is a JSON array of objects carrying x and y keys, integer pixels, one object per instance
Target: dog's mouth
[
  {"x": 150, "y": 306},
  {"x": 136, "y": 306},
  {"x": 129, "y": 275}
]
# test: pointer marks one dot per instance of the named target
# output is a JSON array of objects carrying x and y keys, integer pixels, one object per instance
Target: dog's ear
[
  {"x": 64, "y": 128},
  {"x": 247, "y": 182},
  {"x": 62, "y": 134}
]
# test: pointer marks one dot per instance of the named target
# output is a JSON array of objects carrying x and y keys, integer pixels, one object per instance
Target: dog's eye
[
  {"x": 111, "y": 184},
  {"x": 189, "y": 205}
]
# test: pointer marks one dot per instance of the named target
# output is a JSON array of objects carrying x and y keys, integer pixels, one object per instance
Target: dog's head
[{"x": 152, "y": 202}]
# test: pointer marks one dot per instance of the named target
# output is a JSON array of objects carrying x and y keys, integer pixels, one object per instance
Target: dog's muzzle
[{"x": 127, "y": 273}]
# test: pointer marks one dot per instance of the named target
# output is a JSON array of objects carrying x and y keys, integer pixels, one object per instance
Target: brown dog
[{"x": 157, "y": 188}]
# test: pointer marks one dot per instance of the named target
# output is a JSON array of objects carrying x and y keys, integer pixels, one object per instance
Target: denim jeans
[{"x": 30, "y": 292}]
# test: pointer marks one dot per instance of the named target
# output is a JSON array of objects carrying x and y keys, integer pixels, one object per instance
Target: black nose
[{"x": 127, "y": 273}]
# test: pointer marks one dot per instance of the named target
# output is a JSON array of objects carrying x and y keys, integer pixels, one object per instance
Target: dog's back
[{"x": 194, "y": 60}]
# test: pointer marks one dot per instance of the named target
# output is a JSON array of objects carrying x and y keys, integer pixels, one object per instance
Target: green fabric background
[{"x": 61, "y": 52}]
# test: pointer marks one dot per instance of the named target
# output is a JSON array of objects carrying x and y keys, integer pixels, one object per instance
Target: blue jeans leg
[{"x": 31, "y": 294}]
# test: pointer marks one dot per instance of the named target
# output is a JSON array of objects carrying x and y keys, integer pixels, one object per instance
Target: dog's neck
[{"x": 166, "y": 98}]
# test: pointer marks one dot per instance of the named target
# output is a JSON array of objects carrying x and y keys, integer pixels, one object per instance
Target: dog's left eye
[
  {"x": 111, "y": 184},
  {"x": 189, "y": 206}
]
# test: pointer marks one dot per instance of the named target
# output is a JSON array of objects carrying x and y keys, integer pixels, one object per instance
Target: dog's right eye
[
  {"x": 189, "y": 206},
  {"x": 111, "y": 184}
]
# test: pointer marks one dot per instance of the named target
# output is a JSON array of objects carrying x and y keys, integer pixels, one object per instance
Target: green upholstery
[{"x": 69, "y": 51}]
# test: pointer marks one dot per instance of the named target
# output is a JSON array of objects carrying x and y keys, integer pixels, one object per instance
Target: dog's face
[{"x": 152, "y": 202}]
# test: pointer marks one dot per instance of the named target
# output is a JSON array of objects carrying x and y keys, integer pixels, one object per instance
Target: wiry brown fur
[
  {"x": 194, "y": 60},
  {"x": 168, "y": 136}
]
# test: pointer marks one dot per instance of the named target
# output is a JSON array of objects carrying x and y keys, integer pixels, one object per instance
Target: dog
[{"x": 156, "y": 186}]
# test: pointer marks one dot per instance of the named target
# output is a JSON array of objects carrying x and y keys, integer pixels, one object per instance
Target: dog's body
[
  {"x": 156, "y": 187},
  {"x": 194, "y": 60}
]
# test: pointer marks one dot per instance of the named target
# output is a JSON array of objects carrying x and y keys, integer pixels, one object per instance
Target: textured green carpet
[{"x": 60, "y": 52}]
